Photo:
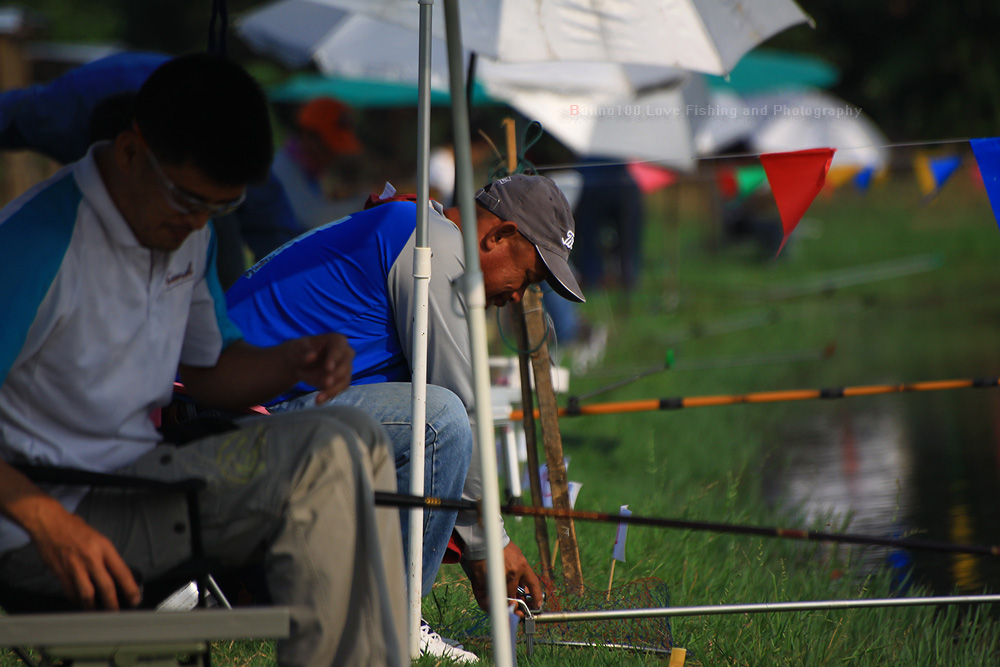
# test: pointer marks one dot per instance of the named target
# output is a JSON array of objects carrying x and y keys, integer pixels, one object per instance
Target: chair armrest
[{"x": 57, "y": 475}]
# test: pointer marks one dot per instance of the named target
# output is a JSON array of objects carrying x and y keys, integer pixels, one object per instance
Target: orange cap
[{"x": 331, "y": 121}]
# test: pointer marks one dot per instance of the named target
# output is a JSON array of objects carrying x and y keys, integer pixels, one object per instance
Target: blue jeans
[{"x": 447, "y": 452}]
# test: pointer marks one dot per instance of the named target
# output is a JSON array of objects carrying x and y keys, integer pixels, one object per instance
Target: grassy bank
[{"x": 708, "y": 463}]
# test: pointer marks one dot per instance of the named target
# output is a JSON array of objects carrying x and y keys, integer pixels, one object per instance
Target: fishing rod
[
  {"x": 404, "y": 500},
  {"x": 861, "y": 275},
  {"x": 712, "y": 364},
  {"x": 649, "y": 405}
]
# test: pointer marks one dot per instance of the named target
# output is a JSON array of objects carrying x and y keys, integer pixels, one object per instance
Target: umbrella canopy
[
  {"x": 298, "y": 33},
  {"x": 362, "y": 93},
  {"x": 701, "y": 35},
  {"x": 601, "y": 109},
  {"x": 726, "y": 120},
  {"x": 593, "y": 108},
  {"x": 763, "y": 70},
  {"x": 817, "y": 119}
]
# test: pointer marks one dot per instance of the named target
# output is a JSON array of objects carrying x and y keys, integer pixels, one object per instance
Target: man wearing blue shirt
[{"x": 355, "y": 276}]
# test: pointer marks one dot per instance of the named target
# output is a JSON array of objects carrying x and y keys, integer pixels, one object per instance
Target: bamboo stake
[
  {"x": 611, "y": 579},
  {"x": 536, "y": 333},
  {"x": 531, "y": 441}
]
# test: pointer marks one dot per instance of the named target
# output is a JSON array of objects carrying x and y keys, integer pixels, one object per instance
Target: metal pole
[
  {"x": 475, "y": 301},
  {"x": 761, "y": 607},
  {"x": 421, "y": 289}
]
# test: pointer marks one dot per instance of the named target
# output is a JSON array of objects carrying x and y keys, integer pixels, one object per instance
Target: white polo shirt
[{"x": 93, "y": 328}]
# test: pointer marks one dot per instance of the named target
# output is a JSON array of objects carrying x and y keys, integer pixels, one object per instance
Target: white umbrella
[
  {"x": 726, "y": 120},
  {"x": 701, "y": 35},
  {"x": 631, "y": 112},
  {"x": 593, "y": 108},
  {"x": 343, "y": 43},
  {"x": 817, "y": 119}
]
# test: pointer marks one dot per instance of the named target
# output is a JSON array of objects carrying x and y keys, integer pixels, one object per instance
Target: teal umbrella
[
  {"x": 764, "y": 70},
  {"x": 361, "y": 93}
]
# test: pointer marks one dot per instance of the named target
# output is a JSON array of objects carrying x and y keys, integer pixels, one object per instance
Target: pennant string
[{"x": 736, "y": 156}]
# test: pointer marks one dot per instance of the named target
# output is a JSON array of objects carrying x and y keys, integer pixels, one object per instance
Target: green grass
[{"x": 707, "y": 463}]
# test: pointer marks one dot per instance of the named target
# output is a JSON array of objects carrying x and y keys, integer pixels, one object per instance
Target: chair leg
[{"x": 214, "y": 589}]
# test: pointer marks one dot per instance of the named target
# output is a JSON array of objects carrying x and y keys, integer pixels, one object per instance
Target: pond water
[{"x": 922, "y": 465}]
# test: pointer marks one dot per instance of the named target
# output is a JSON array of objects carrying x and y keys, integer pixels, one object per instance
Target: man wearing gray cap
[{"x": 354, "y": 276}]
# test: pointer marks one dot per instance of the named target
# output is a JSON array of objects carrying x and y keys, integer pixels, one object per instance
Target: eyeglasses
[{"x": 187, "y": 203}]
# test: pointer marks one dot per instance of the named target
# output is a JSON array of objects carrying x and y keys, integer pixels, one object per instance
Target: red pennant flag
[
  {"x": 649, "y": 177},
  {"x": 725, "y": 179},
  {"x": 796, "y": 178}
]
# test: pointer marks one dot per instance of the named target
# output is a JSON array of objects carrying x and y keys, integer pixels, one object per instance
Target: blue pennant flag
[
  {"x": 987, "y": 153},
  {"x": 864, "y": 178},
  {"x": 944, "y": 167}
]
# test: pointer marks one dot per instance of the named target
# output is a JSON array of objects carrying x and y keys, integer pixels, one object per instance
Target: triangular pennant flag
[
  {"x": 863, "y": 178},
  {"x": 621, "y": 535},
  {"x": 725, "y": 180},
  {"x": 749, "y": 179},
  {"x": 975, "y": 175},
  {"x": 650, "y": 177},
  {"x": 944, "y": 167},
  {"x": 796, "y": 178},
  {"x": 987, "y": 152},
  {"x": 841, "y": 174},
  {"x": 922, "y": 170},
  {"x": 933, "y": 172}
]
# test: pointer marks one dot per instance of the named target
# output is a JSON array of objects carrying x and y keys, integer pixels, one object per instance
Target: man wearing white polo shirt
[{"x": 109, "y": 288}]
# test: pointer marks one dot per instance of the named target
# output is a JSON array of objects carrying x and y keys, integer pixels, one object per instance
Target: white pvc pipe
[
  {"x": 421, "y": 288},
  {"x": 475, "y": 301},
  {"x": 510, "y": 456}
]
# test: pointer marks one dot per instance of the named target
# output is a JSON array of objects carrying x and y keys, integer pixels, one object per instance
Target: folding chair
[{"x": 133, "y": 636}]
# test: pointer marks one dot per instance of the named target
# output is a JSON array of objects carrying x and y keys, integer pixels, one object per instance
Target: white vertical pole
[
  {"x": 421, "y": 287},
  {"x": 475, "y": 300},
  {"x": 513, "y": 467}
]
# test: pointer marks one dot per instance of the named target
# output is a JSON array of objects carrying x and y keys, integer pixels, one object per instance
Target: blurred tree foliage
[{"x": 923, "y": 69}]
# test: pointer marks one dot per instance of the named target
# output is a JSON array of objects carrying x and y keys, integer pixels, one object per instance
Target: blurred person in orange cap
[{"x": 323, "y": 140}]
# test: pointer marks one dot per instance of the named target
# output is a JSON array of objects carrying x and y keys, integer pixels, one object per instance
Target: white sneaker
[{"x": 431, "y": 643}]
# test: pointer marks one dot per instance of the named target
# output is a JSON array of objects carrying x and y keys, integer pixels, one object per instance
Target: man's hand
[
  {"x": 519, "y": 574},
  {"x": 246, "y": 375},
  {"x": 86, "y": 563},
  {"x": 323, "y": 361}
]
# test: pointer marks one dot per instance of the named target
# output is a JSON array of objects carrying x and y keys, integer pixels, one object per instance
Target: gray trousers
[{"x": 294, "y": 489}]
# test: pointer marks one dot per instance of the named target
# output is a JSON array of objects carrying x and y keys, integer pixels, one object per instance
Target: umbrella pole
[
  {"x": 421, "y": 288},
  {"x": 475, "y": 300}
]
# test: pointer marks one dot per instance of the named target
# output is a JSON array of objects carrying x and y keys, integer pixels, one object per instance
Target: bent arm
[{"x": 245, "y": 375}]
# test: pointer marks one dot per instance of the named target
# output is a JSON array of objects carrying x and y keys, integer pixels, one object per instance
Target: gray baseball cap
[{"x": 543, "y": 216}]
